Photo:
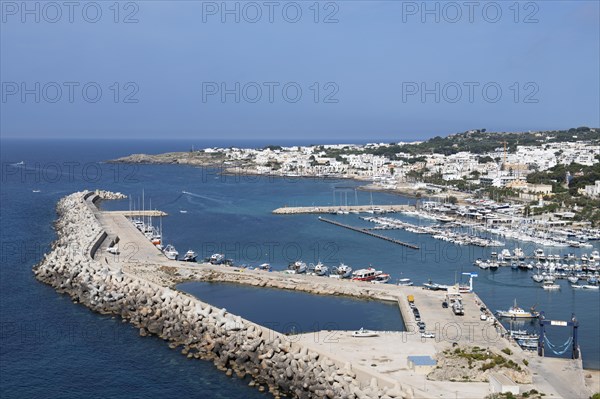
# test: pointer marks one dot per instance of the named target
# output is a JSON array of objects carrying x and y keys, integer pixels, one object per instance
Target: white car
[
  {"x": 482, "y": 317},
  {"x": 427, "y": 335}
]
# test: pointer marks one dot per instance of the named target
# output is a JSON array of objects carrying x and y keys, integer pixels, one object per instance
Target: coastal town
[{"x": 552, "y": 175}]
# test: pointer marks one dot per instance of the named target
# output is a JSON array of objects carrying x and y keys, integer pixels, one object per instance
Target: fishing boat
[
  {"x": 190, "y": 256},
  {"x": 342, "y": 271},
  {"x": 363, "y": 333},
  {"x": 539, "y": 254},
  {"x": 320, "y": 269},
  {"x": 550, "y": 286},
  {"x": 297, "y": 267},
  {"x": 170, "y": 252},
  {"x": 406, "y": 282},
  {"x": 515, "y": 312},
  {"x": 368, "y": 274}
]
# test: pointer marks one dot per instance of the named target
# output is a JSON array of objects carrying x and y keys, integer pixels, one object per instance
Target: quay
[
  {"x": 368, "y": 232},
  {"x": 153, "y": 213},
  {"x": 296, "y": 210},
  {"x": 139, "y": 285}
]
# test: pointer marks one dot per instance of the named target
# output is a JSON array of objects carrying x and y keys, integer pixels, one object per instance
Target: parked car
[
  {"x": 445, "y": 305},
  {"x": 427, "y": 335}
]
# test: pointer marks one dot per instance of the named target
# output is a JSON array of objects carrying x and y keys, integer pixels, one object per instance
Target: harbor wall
[{"x": 269, "y": 359}]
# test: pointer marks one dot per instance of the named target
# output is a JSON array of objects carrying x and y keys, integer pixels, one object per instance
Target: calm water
[
  {"x": 289, "y": 311},
  {"x": 53, "y": 348}
]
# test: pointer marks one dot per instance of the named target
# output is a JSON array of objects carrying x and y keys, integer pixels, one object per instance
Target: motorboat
[
  {"x": 217, "y": 259},
  {"x": 538, "y": 278},
  {"x": 363, "y": 333},
  {"x": 435, "y": 286},
  {"x": 342, "y": 271},
  {"x": 550, "y": 286},
  {"x": 573, "y": 279},
  {"x": 519, "y": 254},
  {"x": 381, "y": 278},
  {"x": 539, "y": 254},
  {"x": 264, "y": 267},
  {"x": 505, "y": 254},
  {"x": 170, "y": 252},
  {"x": 405, "y": 282},
  {"x": 297, "y": 267},
  {"x": 368, "y": 274},
  {"x": 515, "y": 312},
  {"x": 190, "y": 256}
]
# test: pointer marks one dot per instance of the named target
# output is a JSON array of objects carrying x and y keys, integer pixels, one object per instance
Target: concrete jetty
[
  {"x": 369, "y": 232},
  {"x": 295, "y": 210},
  {"x": 138, "y": 284}
]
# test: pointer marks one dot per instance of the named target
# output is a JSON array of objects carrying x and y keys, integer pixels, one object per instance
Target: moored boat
[
  {"x": 297, "y": 267},
  {"x": 405, "y": 282},
  {"x": 515, "y": 312},
  {"x": 342, "y": 271},
  {"x": 363, "y": 333},
  {"x": 190, "y": 256},
  {"x": 170, "y": 252},
  {"x": 368, "y": 274}
]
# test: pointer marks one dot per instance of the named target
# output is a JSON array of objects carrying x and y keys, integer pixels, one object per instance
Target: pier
[
  {"x": 134, "y": 214},
  {"x": 369, "y": 232},
  {"x": 296, "y": 210}
]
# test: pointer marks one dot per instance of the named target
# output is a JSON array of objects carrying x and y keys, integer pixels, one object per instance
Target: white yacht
[
  {"x": 170, "y": 252},
  {"x": 550, "y": 286},
  {"x": 405, "y": 282},
  {"x": 320, "y": 269}
]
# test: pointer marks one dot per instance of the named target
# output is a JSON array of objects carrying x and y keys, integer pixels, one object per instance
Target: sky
[{"x": 340, "y": 70}]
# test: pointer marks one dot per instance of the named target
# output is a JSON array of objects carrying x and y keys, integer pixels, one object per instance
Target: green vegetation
[
  {"x": 533, "y": 394},
  {"x": 507, "y": 351}
]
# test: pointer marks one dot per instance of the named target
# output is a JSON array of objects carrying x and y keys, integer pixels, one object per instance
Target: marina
[{"x": 429, "y": 321}]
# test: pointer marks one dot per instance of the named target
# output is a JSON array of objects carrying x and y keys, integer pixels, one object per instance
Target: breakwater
[{"x": 198, "y": 330}]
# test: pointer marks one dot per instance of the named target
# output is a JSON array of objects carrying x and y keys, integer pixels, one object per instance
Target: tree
[{"x": 453, "y": 200}]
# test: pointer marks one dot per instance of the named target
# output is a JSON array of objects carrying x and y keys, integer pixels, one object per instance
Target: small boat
[
  {"x": 182, "y": 211},
  {"x": 297, "y": 267},
  {"x": 368, "y": 274},
  {"x": 36, "y": 191},
  {"x": 264, "y": 267},
  {"x": 550, "y": 286},
  {"x": 342, "y": 271},
  {"x": 515, "y": 312},
  {"x": 573, "y": 279},
  {"x": 519, "y": 254},
  {"x": 190, "y": 256},
  {"x": 435, "y": 286},
  {"x": 405, "y": 282},
  {"x": 217, "y": 259},
  {"x": 362, "y": 333},
  {"x": 170, "y": 252},
  {"x": 590, "y": 287},
  {"x": 538, "y": 278},
  {"x": 320, "y": 269},
  {"x": 381, "y": 278}
]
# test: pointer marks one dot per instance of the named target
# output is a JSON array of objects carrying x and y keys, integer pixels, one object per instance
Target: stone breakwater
[{"x": 199, "y": 330}]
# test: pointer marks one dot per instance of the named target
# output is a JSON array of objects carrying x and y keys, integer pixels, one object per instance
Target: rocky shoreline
[{"x": 199, "y": 330}]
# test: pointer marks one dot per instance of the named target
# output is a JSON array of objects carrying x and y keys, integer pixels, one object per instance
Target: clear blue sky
[{"x": 375, "y": 53}]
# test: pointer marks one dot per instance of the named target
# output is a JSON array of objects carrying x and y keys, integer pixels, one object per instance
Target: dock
[
  {"x": 369, "y": 232},
  {"x": 296, "y": 210},
  {"x": 153, "y": 213}
]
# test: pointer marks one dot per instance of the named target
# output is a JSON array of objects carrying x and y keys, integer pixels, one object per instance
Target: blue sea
[{"x": 50, "y": 347}]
